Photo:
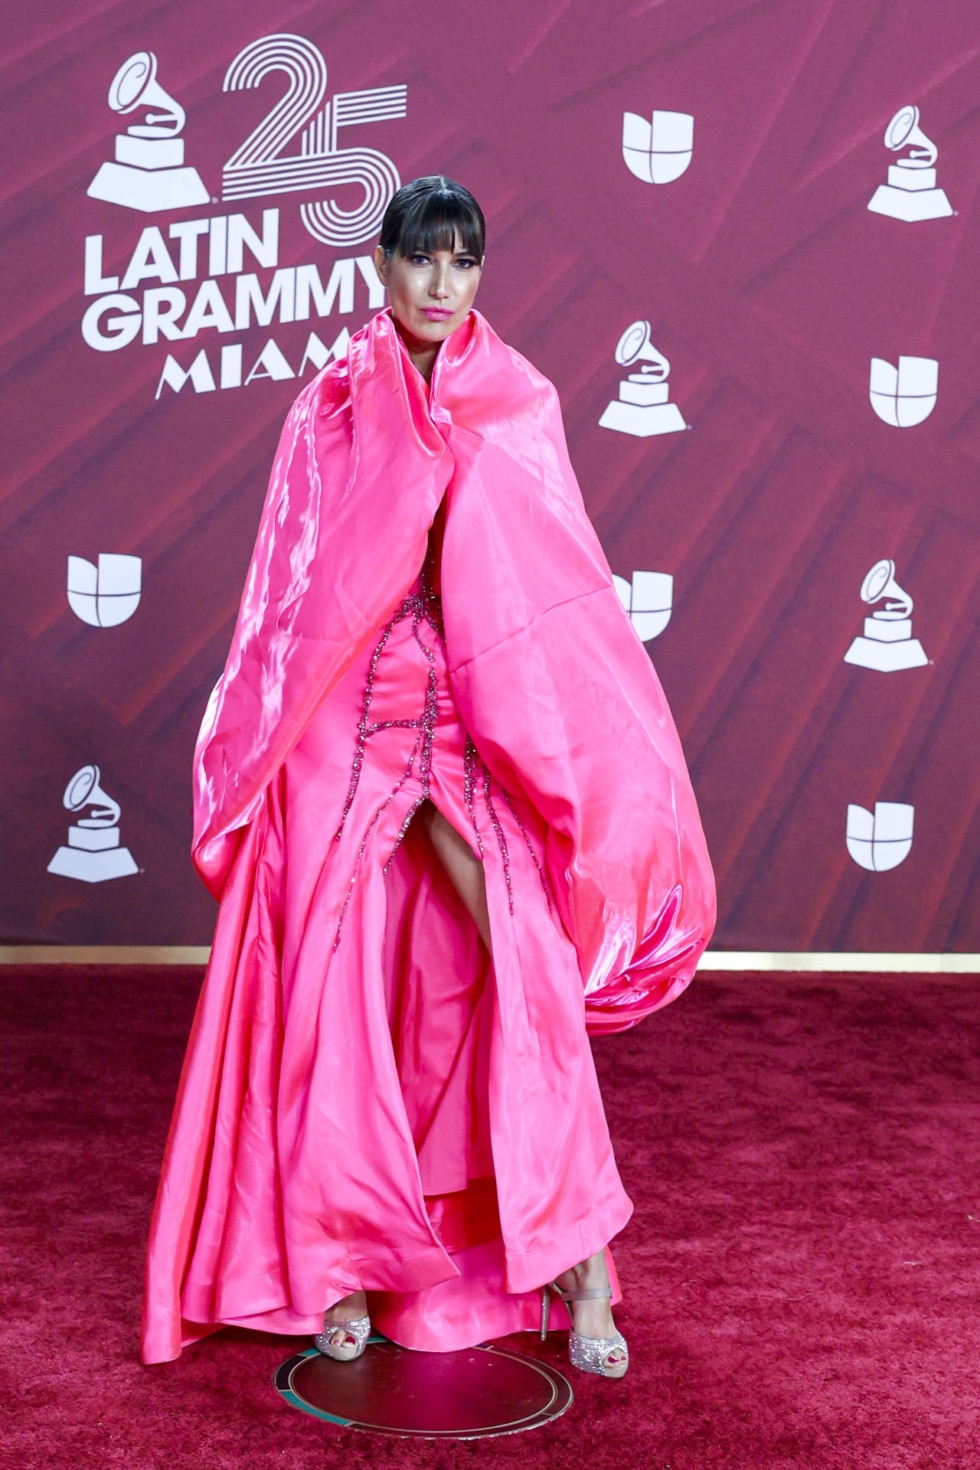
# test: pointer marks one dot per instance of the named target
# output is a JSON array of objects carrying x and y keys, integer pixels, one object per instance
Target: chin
[{"x": 438, "y": 331}]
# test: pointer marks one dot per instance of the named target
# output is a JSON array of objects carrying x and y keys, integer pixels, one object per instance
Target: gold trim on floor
[{"x": 851, "y": 961}]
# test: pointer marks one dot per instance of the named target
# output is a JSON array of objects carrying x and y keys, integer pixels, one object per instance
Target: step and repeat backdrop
[{"x": 742, "y": 238}]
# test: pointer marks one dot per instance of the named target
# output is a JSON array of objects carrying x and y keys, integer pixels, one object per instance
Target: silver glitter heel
[
  {"x": 591, "y": 1354},
  {"x": 343, "y": 1351}
]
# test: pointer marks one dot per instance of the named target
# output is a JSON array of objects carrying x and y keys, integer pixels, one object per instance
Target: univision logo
[
  {"x": 648, "y": 599},
  {"x": 904, "y": 395},
  {"x": 105, "y": 595},
  {"x": 658, "y": 151},
  {"x": 880, "y": 840}
]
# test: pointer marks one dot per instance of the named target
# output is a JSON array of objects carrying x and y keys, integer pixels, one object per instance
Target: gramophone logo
[
  {"x": 648, "y": 600},
  {"x": 658, "y": 151},
  {"x": 904, "y": 395},
  {"x": 93, "y": 854},
  {"x": 887, "y": 643},
  {"x": 881, "y": 839},
  {"x": 911, "y": 193},
  {"x": 105, "y": 595},
  {"x": 148, "y": 173},
  {"x": 643, "y": 406}
]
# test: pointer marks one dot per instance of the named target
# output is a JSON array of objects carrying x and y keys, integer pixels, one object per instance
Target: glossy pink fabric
[{"x": 309, "y": 1154}]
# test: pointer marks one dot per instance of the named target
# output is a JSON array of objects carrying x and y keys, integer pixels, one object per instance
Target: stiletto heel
[
  {"x": 343, "y": 1351},
  {"x": 590, "y": 1354}
]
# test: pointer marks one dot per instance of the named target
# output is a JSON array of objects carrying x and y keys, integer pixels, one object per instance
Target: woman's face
[{"x": 430, "y": 294}]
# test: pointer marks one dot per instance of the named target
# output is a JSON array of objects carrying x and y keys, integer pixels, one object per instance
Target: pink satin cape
[{"x": 548, "y": 675}]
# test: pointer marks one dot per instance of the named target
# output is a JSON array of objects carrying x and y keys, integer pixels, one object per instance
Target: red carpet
[{"x": 801, "y": 1274}]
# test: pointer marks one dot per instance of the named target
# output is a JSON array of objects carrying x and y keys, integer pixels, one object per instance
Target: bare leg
[
  {"x": 590, "y": 1318},
  {"x": 465, "y": 872}
]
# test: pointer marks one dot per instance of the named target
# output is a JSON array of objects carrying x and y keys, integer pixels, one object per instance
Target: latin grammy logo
[
  {"x": 648, "y": 599},
  {"x": 660, "y": 150},
  {"x": 105, "y": 595},
  {"x": 887, "y": 643},
  {"x": 881, "y": 839},
  {"x": 148, "y": 173},
  {"x": 93, "y": 854},
  {"x": 904, "y": 395},
  {"x": 911, "y": 192},
  {"x": 643, "y": 408}
]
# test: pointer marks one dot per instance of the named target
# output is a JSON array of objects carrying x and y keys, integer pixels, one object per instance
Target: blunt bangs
[{"x": 427, "y": 215}]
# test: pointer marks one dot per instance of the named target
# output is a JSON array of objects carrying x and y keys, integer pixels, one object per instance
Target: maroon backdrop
[{"x": 767, "y": 282}]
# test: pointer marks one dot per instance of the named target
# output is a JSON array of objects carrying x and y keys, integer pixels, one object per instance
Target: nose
[{"x": 439, "y": 284}]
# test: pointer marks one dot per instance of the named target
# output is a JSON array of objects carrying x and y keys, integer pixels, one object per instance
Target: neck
[{"x": 422, "y": 354}]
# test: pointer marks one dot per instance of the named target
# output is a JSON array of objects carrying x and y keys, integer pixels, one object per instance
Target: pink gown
[{"x": 368, "y": 1100}]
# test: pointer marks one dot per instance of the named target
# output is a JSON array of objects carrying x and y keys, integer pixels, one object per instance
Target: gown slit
[{"x": 434, "y": 1133}]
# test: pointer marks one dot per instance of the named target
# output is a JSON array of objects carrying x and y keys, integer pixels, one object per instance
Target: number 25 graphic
[{"x": 258, "y": 168}]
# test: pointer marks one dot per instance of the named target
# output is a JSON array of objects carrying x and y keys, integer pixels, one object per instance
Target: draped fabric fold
[
  {"x": 551, "y": 680},
  {"x": 586, "y": 789}
]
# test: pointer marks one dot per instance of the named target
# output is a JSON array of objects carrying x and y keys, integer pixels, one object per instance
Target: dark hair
[{"x": 426, "y": 215}]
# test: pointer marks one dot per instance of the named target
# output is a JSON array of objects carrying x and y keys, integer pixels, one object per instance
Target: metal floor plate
[{"x": 471, "y": 1394}]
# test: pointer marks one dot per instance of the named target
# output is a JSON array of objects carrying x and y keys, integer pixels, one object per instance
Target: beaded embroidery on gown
[{"x": 403, "y": 1047}]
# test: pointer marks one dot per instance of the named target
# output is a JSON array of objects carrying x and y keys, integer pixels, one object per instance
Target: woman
[{"x": 441, "y": 800}]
